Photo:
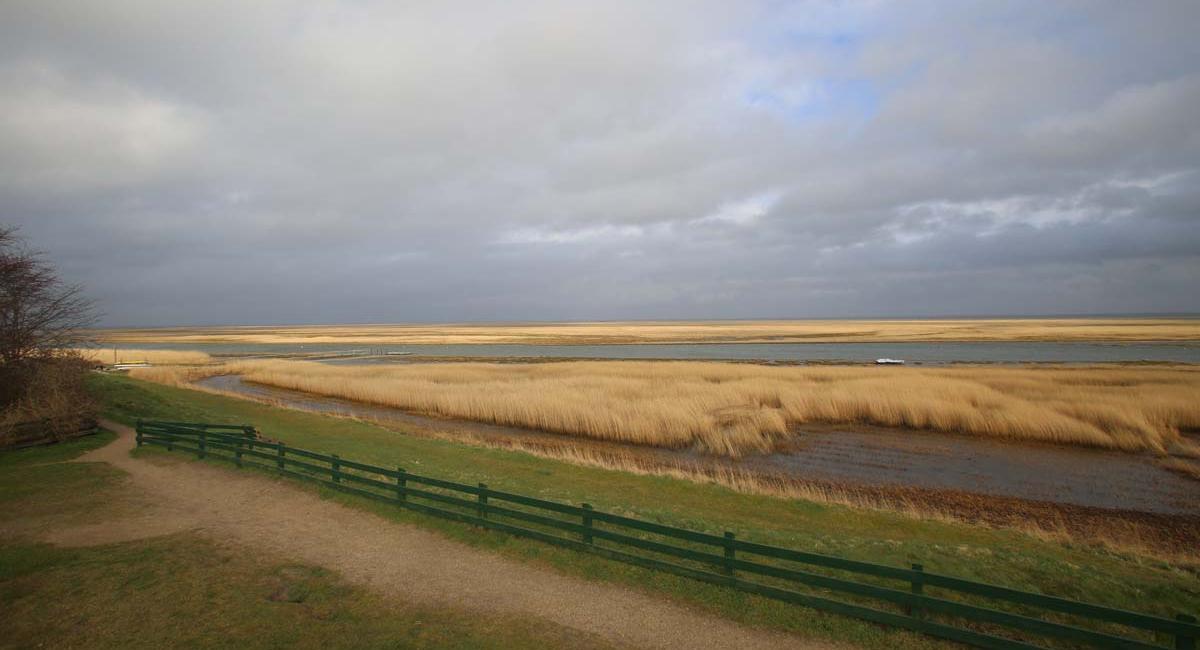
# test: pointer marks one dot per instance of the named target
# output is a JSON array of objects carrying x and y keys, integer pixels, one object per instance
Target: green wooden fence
[{"x": 970, "y": 612}]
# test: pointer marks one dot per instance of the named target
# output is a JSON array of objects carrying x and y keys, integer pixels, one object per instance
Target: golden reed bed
[
  {"x": 134, "y": 355},
  {"x": 734, "y": 409},
  {"x": 1061, "y": 329}
]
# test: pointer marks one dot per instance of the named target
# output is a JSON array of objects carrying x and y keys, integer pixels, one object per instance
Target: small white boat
[{"x": 889, "y": 362}]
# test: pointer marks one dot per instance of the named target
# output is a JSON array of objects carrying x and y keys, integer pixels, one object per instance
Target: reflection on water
[
  {"x": 880, "y": 458},
  {"x": 929, "y": 353}
]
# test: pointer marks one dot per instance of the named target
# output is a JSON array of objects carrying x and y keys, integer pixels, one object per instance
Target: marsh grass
[
  {"x": 734, "y": 409},
  {"x": 135, "y": 355},
  {"x": 1187, "y": 467},
  {"x": 809, "y": 517},
  {"x": 779, "y": 331}
]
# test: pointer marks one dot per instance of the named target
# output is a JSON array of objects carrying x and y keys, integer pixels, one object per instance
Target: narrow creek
[{"x": 871, "y": 457}]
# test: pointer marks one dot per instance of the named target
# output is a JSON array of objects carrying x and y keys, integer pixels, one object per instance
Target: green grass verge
[
  {"x": 55, "y": 453},
  {"x": 1003, "y": 557},
  {"x": 185, "y": 591},
  {"x": 36, "y": 482}
]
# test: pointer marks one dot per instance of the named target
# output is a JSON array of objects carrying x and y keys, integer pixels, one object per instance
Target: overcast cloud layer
[{"x": 273, "y": 162}]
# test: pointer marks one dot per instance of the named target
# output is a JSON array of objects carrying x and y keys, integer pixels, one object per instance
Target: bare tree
[
  {"x": 43, "y": 396},
  {"x": 40, "y": 315}
]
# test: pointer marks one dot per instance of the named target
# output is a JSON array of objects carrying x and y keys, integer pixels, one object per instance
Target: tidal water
[
  {"x": 1088, "y": 477},
  {"x": 924, "y": 353}
]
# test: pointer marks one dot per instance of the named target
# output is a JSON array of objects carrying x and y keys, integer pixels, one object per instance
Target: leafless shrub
[
  {"x": 40, "y": 315},
  {"x": 42, "y": 392}
]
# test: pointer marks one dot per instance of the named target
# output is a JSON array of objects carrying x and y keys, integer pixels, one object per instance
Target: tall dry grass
[
  {"x": 44, "y": 401},
  {"x": 734, "y": 409},
  {"x": 792, "y": 331},
  {"x": 1048, "y": 523},
  {"x": 134, "y": 355},
  {"x": 176, "y": 375}
]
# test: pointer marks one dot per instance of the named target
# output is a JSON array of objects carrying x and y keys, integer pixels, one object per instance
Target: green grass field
[
  {"x": 1004, "y": 557},
  {"x": 186, "y": 591}
]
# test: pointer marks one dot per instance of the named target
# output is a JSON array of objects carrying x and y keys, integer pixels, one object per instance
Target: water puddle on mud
[{"x": 875, "y": 457}]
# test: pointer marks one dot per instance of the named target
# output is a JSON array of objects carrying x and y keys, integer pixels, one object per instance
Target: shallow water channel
[
  {"x": 874, "y": 457},
  {"x": 913, "y": 352}
]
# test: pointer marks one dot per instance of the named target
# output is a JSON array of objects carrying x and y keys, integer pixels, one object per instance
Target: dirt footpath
[{"x": 396, "y": 560}]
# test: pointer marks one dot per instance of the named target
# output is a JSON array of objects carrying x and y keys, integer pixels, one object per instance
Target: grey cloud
[{"x": 291, "y": 162}]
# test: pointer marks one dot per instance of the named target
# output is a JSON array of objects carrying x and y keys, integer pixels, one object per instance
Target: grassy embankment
[
  {"x": 733, "y": 409},
  {"x": 787, "y": 331},
  {"x": 186, "y": 591},
  {"x": 1007, "y": 557}
]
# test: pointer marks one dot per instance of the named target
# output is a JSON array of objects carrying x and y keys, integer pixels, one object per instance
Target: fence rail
[
  {"x": 911, "y": 598},
  {"x": 46, "y": 430}
]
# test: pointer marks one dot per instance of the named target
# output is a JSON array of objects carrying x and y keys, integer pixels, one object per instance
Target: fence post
[
  {"x": 335, "y": 468},
  {"x": 401, "y": 484},
  {"x": 1185, "y": 641},
  {"x": 917, "y": 586},
  {"x": 587, "y": 523},
  {"x": 138, "y": 429},
  {"x": 729, "y": 553},
  {"x": 482, "y": 507},
  {"x": 279, "y": 456},
  {"x": 203, "y": 444}
]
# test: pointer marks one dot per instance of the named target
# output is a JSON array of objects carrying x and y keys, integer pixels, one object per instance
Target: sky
[{"x": 322, "y": 162}]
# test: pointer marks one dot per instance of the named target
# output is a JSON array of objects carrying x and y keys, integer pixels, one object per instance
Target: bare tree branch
[
  {"x": 43, "y": 395},
  {"x": 40, "y": 315}
]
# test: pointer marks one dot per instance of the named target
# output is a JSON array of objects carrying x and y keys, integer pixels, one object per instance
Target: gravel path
[{"x": 397, "y": 560}]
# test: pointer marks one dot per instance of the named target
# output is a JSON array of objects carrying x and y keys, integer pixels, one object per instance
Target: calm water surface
[
  {"x": 928, "y": 353},
  {"x": 1088, "y": 477}
]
